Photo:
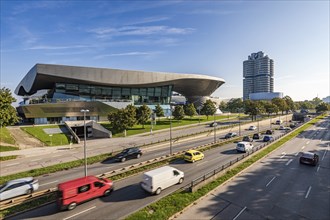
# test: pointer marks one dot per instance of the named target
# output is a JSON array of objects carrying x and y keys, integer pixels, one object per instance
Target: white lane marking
[
  {"x": 307, "y": 142},
  {"x": 287, "y": 163},
  {"x": 318, "y": 168},
  {"x": 202, "y": 163},
  {"x": 48, "y": 183},
  {"x": 36, "y": 160},
  {"x": 80, "y": 213},
  {"x": 12, "y": 164},
  {"x": 271, "y": 181},
  {"x": 325, "y": 152},
  {"x": 239, "y": 213},
  {"x": 283, "y": 155},
  {"x": 302, "y": 147},
  {"x": 297, "y": 153},
  {"x": 308, "y": 191}
]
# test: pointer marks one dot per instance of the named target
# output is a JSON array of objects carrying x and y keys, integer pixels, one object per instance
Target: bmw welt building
[{"x": 58, "y": 93}]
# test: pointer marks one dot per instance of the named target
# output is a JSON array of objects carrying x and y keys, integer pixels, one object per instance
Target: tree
[
  {"x": 280, "y": 103},
  {"x": 178, "y": 112},
  {"x": 8, "y": 114},
  {"x": 159, "y": 111},
  {"x": 253, "y": 108},
  {"x": 143, "y": 114},
  {"x": 270, "y": 108},
  {"x": 208, "y": 108},
  {"x": 234, "y": 104},
  {"x": 290, "y": 104},
  {"x": 316, "y": 101},
  {"x": 190, "y": 110},
  {"x": 322, "y": 107},
  {"x": 223, "y": 106},
  {"x": 123, "y": 118}
]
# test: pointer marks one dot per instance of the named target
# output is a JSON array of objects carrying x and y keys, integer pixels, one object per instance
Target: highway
[
  {"x": 277, "y": 187},
  {"x": 128, "y": 196}
]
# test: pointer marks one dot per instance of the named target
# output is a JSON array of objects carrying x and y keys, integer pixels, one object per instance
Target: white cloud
[
  {"x": 133, "y": 53},
  {"x": 49, "y": 47}
]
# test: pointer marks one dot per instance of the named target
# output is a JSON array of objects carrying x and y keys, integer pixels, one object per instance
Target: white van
[
  {"x": 244, "y": 146},
  {"x": 155, "y": 181}
]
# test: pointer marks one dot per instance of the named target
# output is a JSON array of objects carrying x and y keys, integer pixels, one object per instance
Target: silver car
[{"x": 18, "y": 187}]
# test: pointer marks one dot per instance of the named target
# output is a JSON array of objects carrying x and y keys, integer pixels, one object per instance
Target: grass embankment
[
  {"x": 54, "y": 140},
  {"x": 6, "y": 138},
  {"x": 164, "y": 123},
  {"x": 180, "y": 199}
]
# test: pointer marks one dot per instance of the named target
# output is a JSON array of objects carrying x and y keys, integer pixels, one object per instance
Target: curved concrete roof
[{"x": 43, "y": 76}]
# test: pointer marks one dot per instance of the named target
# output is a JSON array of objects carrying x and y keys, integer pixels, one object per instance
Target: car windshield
[
  {"x": 187, "y": 154},
  {"x": 308, "y": 155},
  {"x": 2, "y": 186}
]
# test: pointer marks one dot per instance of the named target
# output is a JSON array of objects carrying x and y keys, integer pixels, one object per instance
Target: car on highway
[
  {"x": 256, "y": 136},
  {"x": 247, "y": 139},
  {"x": 309, "y": 158},
  {"x": 278, "y": 122},
  {"x": 230, "y": 135},
  {"x": 193, "y": 155},
  {"x": 269, "y": 132},
  {"x": 268, "y": 138},
  {"x": 252, "y": 128},
  {"x": 18, "y": 187},
  {"x": 74, "y": 192},
  {"x": 128, "y": 153},
  {"x": 213, "y": 124},
  {"x": 244, "y": 146},
  {"x": 154, "y": 181}
]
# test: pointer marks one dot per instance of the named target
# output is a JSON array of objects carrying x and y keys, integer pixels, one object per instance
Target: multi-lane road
[
  {"x": 277, "y": 187},
  {"x": 128, "y": 196}
]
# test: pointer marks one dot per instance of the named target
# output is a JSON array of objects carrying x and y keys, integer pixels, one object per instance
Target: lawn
[
  {"x": 7, "y": 148},
  {"x": 5, "y": 136},
  {"x": 165, "y": 123},
  {"x": 54, "y": 140}
]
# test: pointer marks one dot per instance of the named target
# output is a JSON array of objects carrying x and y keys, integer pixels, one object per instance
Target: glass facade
[{"x": 139, "y": 96}]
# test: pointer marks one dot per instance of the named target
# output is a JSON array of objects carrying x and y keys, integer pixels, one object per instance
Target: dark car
[
  {"x": 213, "y": 124},
  {"x": 309, "y": 158},
  {"x": 256, "y": 136},
  {"x": 293, "y": 125},
  {"x": 267, "y": 138},
  {"x": 247, "y": 139},
  {"x": 230, "y": 135},
  {"x": 269, "y": 132},
  {"x": 128, "y": 153}
]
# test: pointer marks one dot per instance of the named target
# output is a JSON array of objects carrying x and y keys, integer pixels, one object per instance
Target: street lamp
[
  {"x": 239, "y": 122},
  {"x": 85, "y": 111},
  {"x": 214, "y": 126},
  {"x": 171, "y": 131}
]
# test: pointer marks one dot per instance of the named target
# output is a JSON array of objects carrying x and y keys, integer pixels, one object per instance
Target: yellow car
[{"x": 193, "y": 155}]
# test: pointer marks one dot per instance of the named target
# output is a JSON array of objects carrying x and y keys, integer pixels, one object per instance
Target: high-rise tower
[{"x": 258, "y": 73}]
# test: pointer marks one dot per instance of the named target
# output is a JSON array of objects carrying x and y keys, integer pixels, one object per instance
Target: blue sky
[{"x": 203, "y": 37}]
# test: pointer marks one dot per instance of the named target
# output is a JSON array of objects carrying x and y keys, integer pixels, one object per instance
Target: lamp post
[
  {"x": 171, "y": 131},
  {"x": 51, "y": 141},
  {"x": 215, "y": 125},
  {"x": 85, "y": 156},
  {"x": 239, "y": 122}
]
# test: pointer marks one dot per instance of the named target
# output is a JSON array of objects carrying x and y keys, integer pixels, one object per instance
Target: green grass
[
  {"x": 5, "y": 136},
  {"x": 8, "y": 157},
  {"x": 8, "y": 148},
  {"x": 181, "y": 199},
  {"x": 165, "y": 123},
  {"x": 54, "y": 140}
]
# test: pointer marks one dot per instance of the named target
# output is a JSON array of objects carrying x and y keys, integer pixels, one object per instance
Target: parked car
[
  {"x": 74, "y": 192},
  {"x": 129, "y": 153},
  {"x": 309, "y": 158},
  {"x": 155, "y": 181},
  {"x": 268, "y": 138},
  {"x": 244, "y": 146},
  {"x": 193, "y": 155},
  {"x": 213, "y": 124},
  {"x": 247, "y": 139},
  {"x": 230, "y": 135},
  {"x": 18, "y": 187},
  {"x": 256, "y": 136},
  {"x": 252, "y": 128},
  {"x": 269, "y": 132}
]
